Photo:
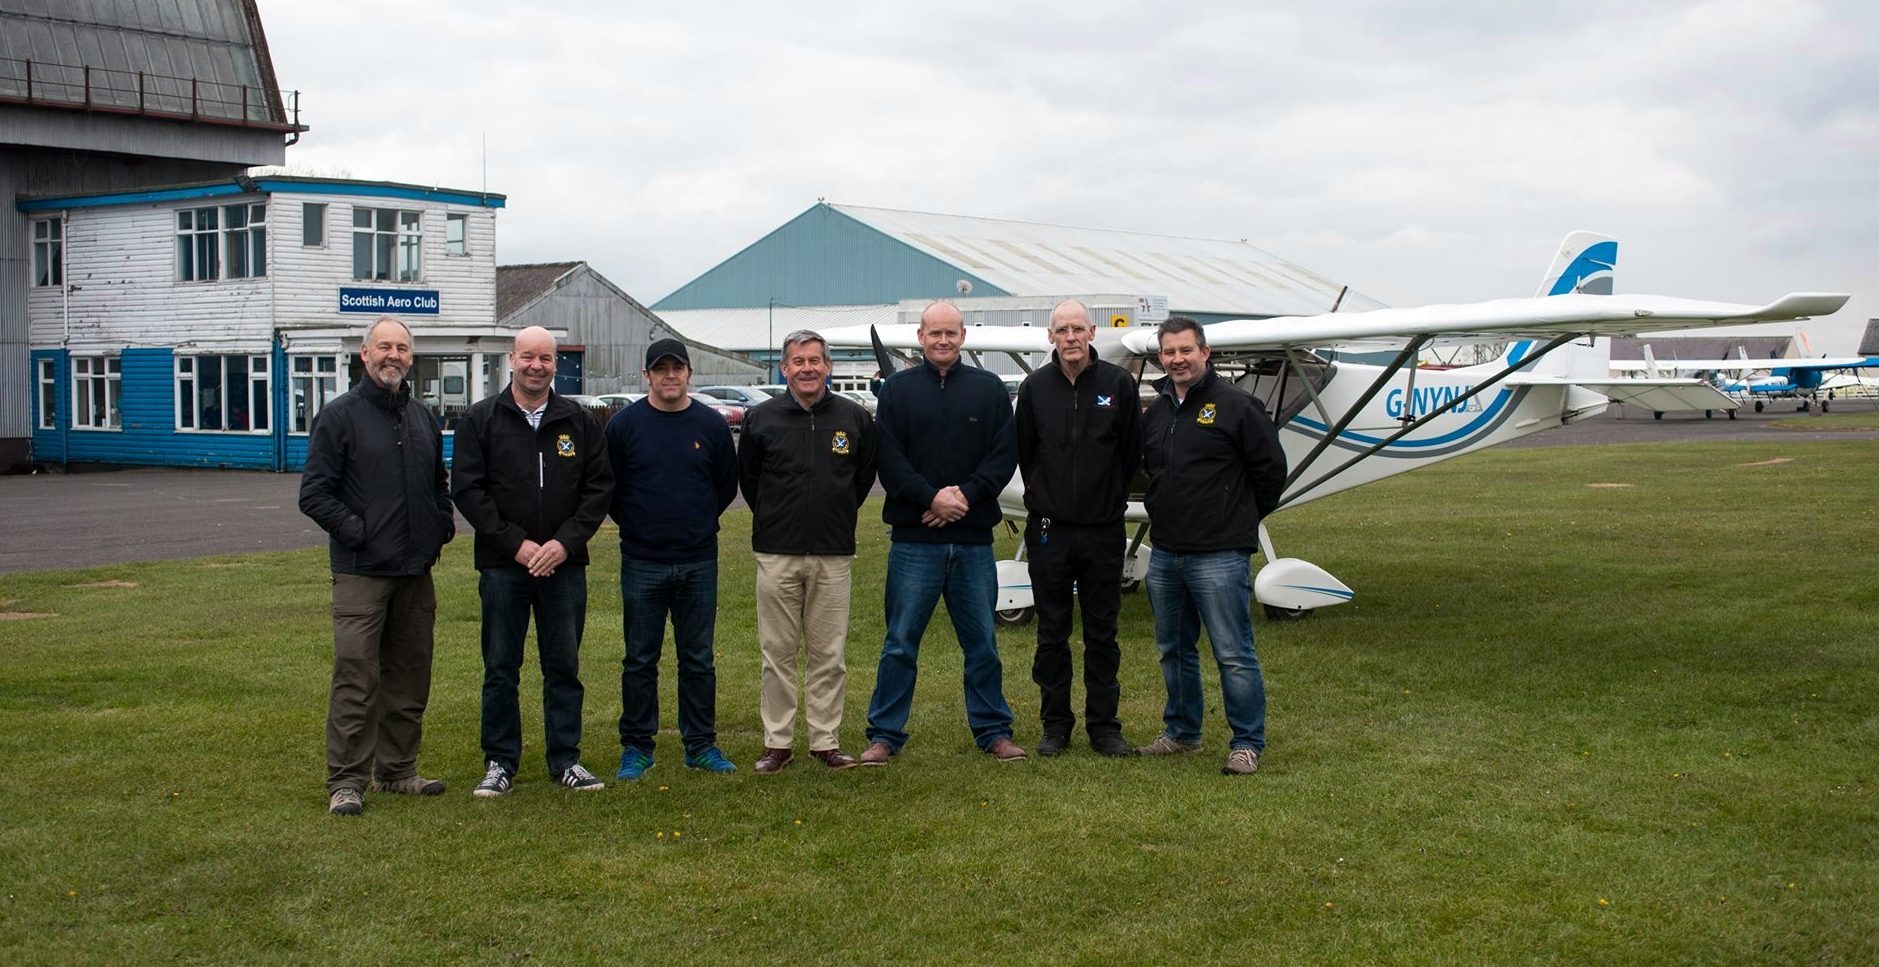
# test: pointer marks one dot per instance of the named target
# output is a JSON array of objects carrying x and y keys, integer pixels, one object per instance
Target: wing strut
[
  {"x": 1409, "y": 352},
  {"x": 1479, "y": 388}
]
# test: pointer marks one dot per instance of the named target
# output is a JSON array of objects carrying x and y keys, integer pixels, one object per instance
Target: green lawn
[{"x": 1590, "y": 705}]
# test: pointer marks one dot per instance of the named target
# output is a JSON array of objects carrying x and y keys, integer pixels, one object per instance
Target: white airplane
[
  {"x": 1345, "y": 424},
  {"x": 1809, "y": 379}
]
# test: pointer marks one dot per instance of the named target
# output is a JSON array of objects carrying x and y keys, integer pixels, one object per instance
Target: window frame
[
  {"x": 394, "y": 244},
  {"x": 48, "y": 375},
  {"x": 231, "y": 252},
  {"x": 313, "y": 214},
  {"x": 459, "y": 223},
  {"x": 107, "y": 372},
  {"x": 48, "y": 240},
  {"x": 311, "y": 388},
  {"x": 189, "y": 373}
]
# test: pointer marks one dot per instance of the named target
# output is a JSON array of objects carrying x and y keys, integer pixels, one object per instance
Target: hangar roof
[
  {"x": 761, "y": 328},
  {"x": 1196, "y": 274}
]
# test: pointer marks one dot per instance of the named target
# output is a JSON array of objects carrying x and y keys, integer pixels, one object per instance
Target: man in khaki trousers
[{"x": 806, "y": 463}]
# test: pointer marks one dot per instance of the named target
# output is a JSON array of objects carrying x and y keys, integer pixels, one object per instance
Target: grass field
[{"x": 1591, "y": 705}]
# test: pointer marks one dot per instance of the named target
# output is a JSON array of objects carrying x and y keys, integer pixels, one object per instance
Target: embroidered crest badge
[
  {"x": 839, "y": 444},
  {"x": 1206, "y": 415},
  {"x": 564, "y": 445},
  {"x": 1105, "y": 402}
]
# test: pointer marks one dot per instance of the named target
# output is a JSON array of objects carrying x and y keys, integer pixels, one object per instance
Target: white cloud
[{"x": 1418, "y": 151}]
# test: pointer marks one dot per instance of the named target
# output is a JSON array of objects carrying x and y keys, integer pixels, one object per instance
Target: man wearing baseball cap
[{"x": 676, "y": 471}]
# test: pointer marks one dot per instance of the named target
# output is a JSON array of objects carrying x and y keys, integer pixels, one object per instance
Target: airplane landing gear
[
  {"x": 1276, "y": 613},
  {"x": 1758, "y": 406},
  {"x": 1013, "y": 617}
]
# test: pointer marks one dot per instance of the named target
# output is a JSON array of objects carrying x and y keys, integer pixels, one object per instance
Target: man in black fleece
[{"x": 945, "y": 451}]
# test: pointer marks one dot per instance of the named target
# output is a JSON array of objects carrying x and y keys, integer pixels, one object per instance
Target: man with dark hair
[
  {"x": 946, "y": 450},
  {"x": 374, "y": 480},
  {"x": 1215, "y": 468},
  {"x": 674, "y": 471},
  {"x": 1079, "y": 442},
  {"x": 807, "y": 459},
  {"x": 530, "y": 473}
]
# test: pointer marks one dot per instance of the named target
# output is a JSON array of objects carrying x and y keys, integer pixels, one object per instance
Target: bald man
[{"x": 531, "y": 475}]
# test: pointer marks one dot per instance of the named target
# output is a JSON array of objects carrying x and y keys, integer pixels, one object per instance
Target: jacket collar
[
  {"x": 1202, "y": 387},
  {"x": 383, "y": 398},
  {"x": 558, "y": 405}
]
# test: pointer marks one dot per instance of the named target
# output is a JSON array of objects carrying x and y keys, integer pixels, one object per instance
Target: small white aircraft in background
[
  {"x": 1346, "y": 424},
  {"x": 1809, "y": 379}
]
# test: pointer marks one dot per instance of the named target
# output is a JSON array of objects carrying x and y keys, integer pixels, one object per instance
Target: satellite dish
[{"x": 964, "y": 286}]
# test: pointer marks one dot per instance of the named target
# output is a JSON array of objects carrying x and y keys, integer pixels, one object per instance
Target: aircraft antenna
[{"x": 1340, "y": 298}]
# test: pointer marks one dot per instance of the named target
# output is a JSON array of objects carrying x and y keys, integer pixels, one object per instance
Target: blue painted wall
[
  {"x": 824, "y": 258},
  {"x": 147, "y": 433}
]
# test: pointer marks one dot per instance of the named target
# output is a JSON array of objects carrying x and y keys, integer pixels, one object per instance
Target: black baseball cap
[{"x": 661, "y": 348}]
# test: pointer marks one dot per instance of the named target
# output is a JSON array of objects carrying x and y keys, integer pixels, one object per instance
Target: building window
[
  {"x": 48, "y": 394},
  {"x": 315, "y": 383},
  {"x": 96, "y": 381},
  {"x": 222, "y": 393},
  {"x": 48, "y": 252},
  {"x": 313, "y": 224},
  {"x": 207, "y": 239},
  {"x": 456, "y": 234},
  {"x": 387, "y": 244}
]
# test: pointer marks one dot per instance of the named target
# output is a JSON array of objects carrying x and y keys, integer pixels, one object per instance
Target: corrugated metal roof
[
  {"x": 1668, "y": 349},
  {"x": 519, "y": 285},
  {"x": 761, "y": 328},
  {"x": 195, "y": 56},
  {"x": 1196, "y": 274}
]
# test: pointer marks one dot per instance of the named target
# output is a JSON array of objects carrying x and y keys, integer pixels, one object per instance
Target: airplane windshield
[{"x": 1285, "y": 389}]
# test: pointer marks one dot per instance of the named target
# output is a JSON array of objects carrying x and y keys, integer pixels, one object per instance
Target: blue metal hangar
[{"x": 842, "y": 265}]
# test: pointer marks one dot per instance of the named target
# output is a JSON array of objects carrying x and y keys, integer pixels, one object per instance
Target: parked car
[
  {"x": 862, "y": 396},
  {"x": 746, "y": 396},
  {"x": 732, "y": 413},
  {"x": 597, "y": 408}
]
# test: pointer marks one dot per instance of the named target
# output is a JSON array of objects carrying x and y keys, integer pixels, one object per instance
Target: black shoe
[
  {"x": 1052, "y": 744},
  {"x": 1112, "y": 745}
]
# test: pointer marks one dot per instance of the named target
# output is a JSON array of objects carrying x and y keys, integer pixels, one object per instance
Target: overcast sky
[{"x": 1418, "y": 151}]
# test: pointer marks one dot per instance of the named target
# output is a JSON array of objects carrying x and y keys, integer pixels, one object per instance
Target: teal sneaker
[
  {"x": 710, "y": 760},
  {"x": 633, "y": 764}
]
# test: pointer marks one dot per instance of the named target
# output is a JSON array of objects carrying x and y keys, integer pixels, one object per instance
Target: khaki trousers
[
  {"x": 802, "y": 614},
  {"x": 381, "y": 677}
]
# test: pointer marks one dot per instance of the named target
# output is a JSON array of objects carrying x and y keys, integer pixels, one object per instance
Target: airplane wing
[
  {"x": 1737, "y": 364},
  {"x": 1657, "y": 395},
  {"x": 1540, "y": 318},
  {"x": 991, "y": 339}
]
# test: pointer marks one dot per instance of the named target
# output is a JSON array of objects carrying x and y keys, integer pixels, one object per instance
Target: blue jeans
[
  {"x": 1216, "y": 590},
  {"x": 689, "y": 593},
  {"x": 559, "y": 604},
  {"x": 918, "y": 575}
]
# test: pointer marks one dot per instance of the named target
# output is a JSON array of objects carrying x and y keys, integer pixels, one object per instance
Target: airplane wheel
[
  {"x": 1130, "y": 587},
  {"x": 1013, "y": 617},
  {"x": 1731, "y": 414},
  {"x": 1823, "y": 406},
  {"x": 1276, "y": 613},
  {"x": 1758, "y": 406},
  {"x": 1708, "y": 414},
  {"x": 1657, "y": 415}
]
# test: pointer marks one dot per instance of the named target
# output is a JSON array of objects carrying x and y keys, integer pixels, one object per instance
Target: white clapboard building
[{"x": 206, "y": 324}]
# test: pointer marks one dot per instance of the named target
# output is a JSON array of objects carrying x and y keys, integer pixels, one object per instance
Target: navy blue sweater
[
  {"x": 673, "y": 473},
  {"x": 933, "y": 432}
]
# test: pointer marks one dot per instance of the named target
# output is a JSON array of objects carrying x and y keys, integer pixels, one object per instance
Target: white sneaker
[
  {"x": 495, "y": 782},
  {"x": 579, "y": 779}
]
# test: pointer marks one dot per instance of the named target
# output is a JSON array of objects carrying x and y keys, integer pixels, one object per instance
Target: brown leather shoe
[
  {"x": 772, "y": 762},
  {"x": 877, "y": 754},
  {"x": 1005, "y": 750},
  {"x": 834, "y": 758}
]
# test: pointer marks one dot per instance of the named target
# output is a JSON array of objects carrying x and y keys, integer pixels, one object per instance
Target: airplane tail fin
[{"x": 1586, "y": 262}]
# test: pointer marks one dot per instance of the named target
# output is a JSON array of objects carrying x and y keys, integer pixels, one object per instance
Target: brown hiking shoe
[
  {"x": 877, "y": 754},
  {"x": 834, "y": 758},
  {"x": 1241, "y": 762},
  {"x": 1165, "y": 744},
  {"x": 1005, "y": 750},
  {"x": 772, "y": 762}
]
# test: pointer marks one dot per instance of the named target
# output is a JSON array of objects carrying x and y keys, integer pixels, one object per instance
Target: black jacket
[
  {"x": 513, "y": 483},
  {"x": 375, "y": 481},
  {"x": 943, "y": 432},
  {"x": 1215, "y": 467},
  {"x": 805, "y": 473},
  {"x": 1079, "y": 443}
]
